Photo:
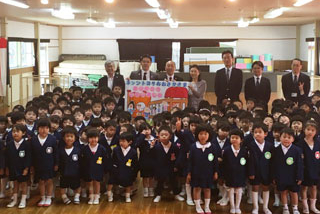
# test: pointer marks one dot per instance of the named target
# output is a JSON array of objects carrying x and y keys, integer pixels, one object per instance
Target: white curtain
[{"x": 3, "y": 66}]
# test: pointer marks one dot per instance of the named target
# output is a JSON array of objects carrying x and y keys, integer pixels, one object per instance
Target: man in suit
[
  {"x": 169, "y": 74},
  {"x": 144, "y": 73},
  {"x": 228, "y": 80},
  {"x": 111, "y": 79},
  {"x": 296, "y": 85},
  {"x": 258, "y": 87}
]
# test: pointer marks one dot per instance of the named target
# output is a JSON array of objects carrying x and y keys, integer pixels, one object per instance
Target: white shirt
[
  {"x": 96, "y": 116},
  {"x": 295, "y": 75},
  {"x": 260, "y": 145},
  {"x": 78, "y": 127},
  {"x": 255, "y": 79},
  {"x": 116, "y": 98},
  {"x": 235, "y": 152},
  {"x": 150, "y": 139},
  {"x": 82, "y": 143},
  {"x": 166, "y": 147},
  {"x": 285, "y": 149},
  {"x": 42, "y": 141},
  {"x": 30, "y": 127},
  {"x": 125, "y": 151},
  {"x": 110, "y": 81},
  {"x": 277, "y": 143},
  {"x": 221, "y": 142},
  {"x": 108, "y": 140},
  {"x": 203, "y": 147},
  {"x": 86, "y": 122},
  {"x": 246, "y": 133},
  {"x": 172, "y": 77},
  {"x": 93, "y": 149},
  {"x": 68, "y": 151},
  {"x": 142, "y": 74},
  {"x": 18, "y": 144}
]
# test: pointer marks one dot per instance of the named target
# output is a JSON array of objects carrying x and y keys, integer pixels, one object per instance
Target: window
[
  {"x": 311, "y": 57},
  {"x": 176, "y": 54},
  {"x": 21, "y": 54}
]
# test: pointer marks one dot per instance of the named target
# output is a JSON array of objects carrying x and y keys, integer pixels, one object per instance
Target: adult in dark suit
[
  {"x": 296, "y": 85},
  {"x": 144, "y": 73},
  {"x": 258, "y": 87},
  {"x": 111, "y": 79},
  {"x": 228, "y": 81},
  {"x": 169, "y": 74}
]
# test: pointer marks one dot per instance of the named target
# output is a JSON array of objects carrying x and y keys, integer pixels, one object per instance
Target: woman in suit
[
  {"x": 258, "y": 87},
  {"x": 197, "y": 87}
]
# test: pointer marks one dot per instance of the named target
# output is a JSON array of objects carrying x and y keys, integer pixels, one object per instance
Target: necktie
[
  {"x": 228, "y": 74},
  {"x": 295, "y": 81},
  {"x": 258, "y": 82},
  {"x": 236, "y": 153},
  {"x": 145, "y": 76},
  {"x": 170, "y": 79}
]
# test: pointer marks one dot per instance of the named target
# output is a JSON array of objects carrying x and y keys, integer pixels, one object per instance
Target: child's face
[
  {"x": 123, "y": 122},
  {"x": 286, "y": 139},
  {"x": 276, "y": 115},
  {"x": 110, "y": 131},
  {"x": 74, "y": 107},
  {"x": 42, "y": 112},
  {"x": 22, "y": 122},
  {"x": 284, "y": 120},
  {"x": 213, "y": 124},
  {"x": 77, "y": 95},
  {"x": 305, "y": 108},
  {"x": 117, "y": 91},
  {"x": 105, "y": 119},
  {"x": 185, "y": 122},
  {"x": 204, "y": 117},
  {"x": 67, "y": 112},
  {"x": 3, "y": 126},
  {"x": 164, "y": 137},
  {"x": 203, "y": 137},
  {"x": 138, "y": 123},
  {"x": 238, "y": 104},
  {"x": 55, "y": 97},
  {"x": 69, "y": 139},
  {"x": 83, "y": 137},
  {"x": 222, "y": 134},
  {"x": 193, "y": 127},
  {"x": 54, "y": 126},
  {"x": 297, "y": 126},
  {"x": 124, "y": 143},
  {"x": 259, "y": 135},
  {"x": 123, "y": 129},
  {"x": 231, "y": 120},
  {"x": 17, "y": 135},
  {"x": 57, "y": 112},
  {"x": 315, "y": 99},
  {"x": 93, "y": 141},
  {"x": 67, "y": 123},
  {"x": 51, "y": 106},
  {"x": 96, "y": 108},
  {"x": 79, "y": 117},
  {"x": 245, "y": 124},
  {"x": 147, "y": 132},
  {"x": 43, "y": 131},
  {"x": 30, "y": 116},
  {"x": 62, "y": 104},
  {"x": 250, "y": 105},
  {"x": 310, "y": 131},
  {"x": 235, "y": 140},
  {"x": 269, "y": 122},
  {"x": 276, "y": 135},
  {"x": 110, "y": 106},
  {"x": 88, "y": 113}
]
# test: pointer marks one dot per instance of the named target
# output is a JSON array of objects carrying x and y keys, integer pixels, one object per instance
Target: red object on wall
[
  {"x": 3, "y": 43},
  {"x": 176, "y": 92}
]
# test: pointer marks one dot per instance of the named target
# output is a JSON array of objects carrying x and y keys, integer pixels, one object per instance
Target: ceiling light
[
  {"x": 172, "y": 23},
  {"x": 243, "y": 23},
  {"x": 163, "y": 14},
  {"x": 65, "y": 12},
  {"x": 44, "y": 1},
  {"x": 109, "y": 1},
  {"x": 109, "y": 24},
  {"x": 92, "y": 20},
  {"x": 254, "y": 20},
  {"x": 273, "y": 13},
  {"x": 15, "y": 3},
  {"x": 153, "y": 3},
  {"x": 301, "y": 2}
]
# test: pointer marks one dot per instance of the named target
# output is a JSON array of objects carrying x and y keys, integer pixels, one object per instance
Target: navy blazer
[
  {"x": 146, "y": 158},
  {"x": 136, "y": 75},
  {"x": 283, "y": 172},
  {"x": 163, "y": 77},
  {"x": 69, "y": 165},
  {"x": 19, "y": 159},
  {"x": 2, "y": 154},
  {"x": 260, "y": 162},
  {"x": 219, "y": 150},
  {"x": 259, "y": 93},
  {"x": 289, "y": 88},
  {"x": 109, "y": 147},
  {"x": 117, "y": 80},
  {"x": 234, "y": 169},
  {"x": 28, "y": 136}
]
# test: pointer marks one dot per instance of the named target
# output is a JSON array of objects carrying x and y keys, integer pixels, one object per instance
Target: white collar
[
  {"x": 18, "y": 143},
  {"x": 260, "y": 145},
  {"x": 228, "y": 68},
  {"x": 93, "y": 149},
  {"x": 172, "y": 76},
  {"x": 166, "y": 146},
  {"x": 221, "y": 141},
  {"x": 82, "y": 143},
  {"x": 255, "y": 77},
  {"x": 203, "y": 147},
  {"x": 125, "y": 151},
  {"x": 234, "y": 150},
  {"x": 285, "y": 149},
  {"x": 295, "y": 75},
  {"x": 110, "y": 77},
  {"x": 151, "y": 138},
  {"x": 96, "y": 116}
]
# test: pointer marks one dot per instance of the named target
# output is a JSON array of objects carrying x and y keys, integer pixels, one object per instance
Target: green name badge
[
  {"x": 267, "y": 155},
  {"x": 210, "y": 157},
  {"x": 243, "y": 161},
  {"x": 289, "y": 161}
]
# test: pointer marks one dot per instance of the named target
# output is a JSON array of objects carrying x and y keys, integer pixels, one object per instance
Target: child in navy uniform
[
  {"x": 145, "y": 142},
  {"x": 2, "y": 169},
  {"x": 311, "y": 156},
  {"x": 203, "y": 166},
  {"x": 234, "y": 168},
  {"x": 125, "y": 163},
  {"x": 287, "y": 166},
  {"x": 260, "y": 153},
  {"x": 94, "y": 157},
  {"x": 69, "y": 165},
  {"x": 165, "y": 154},
  {"x": 18, "y": 161},
  {"x": 45, "y": 160}
]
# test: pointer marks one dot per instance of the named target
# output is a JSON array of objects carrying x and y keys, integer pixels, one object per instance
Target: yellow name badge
[
  {"x": 129, "y": 162},
  {"x": 113, "y": 146},
  {"x": 99, "y": 161}
]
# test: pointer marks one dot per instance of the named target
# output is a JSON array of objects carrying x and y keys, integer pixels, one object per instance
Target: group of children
[{"x": 86, "y": 143}]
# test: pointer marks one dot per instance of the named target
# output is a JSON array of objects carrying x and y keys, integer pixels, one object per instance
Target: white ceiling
[{"x": 186, "y": 12}]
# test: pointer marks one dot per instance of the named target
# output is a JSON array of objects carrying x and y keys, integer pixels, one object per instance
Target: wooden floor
[{"x": 139, "y": 205}]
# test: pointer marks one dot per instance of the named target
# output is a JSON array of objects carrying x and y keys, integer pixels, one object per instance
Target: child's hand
[
  {"x": 215, "y": 176},
  {"x": 32, "y": 170},
  {"x": 299, "y": 182},
  {"x": 175, "y": 169},
  {"x": 153, "y": 142},
  {"x": 55, "y": 168},
  {"x": 178, "y": 125},
  {"x": 25, "y": 171},
  {"x": 188, "y": 178},
  {"x": 220, "y": 159},
  {"x": 143, "y": 132},
  {"x": 251, "y": 177}
]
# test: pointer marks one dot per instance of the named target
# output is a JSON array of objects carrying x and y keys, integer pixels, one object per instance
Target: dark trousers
[{"x": 173, "y": 184}]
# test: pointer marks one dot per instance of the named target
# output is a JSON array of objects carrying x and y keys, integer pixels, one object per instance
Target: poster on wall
[
  {"x": 3, "y": 66},
  {"x": 148, "y": 98},
  {"x": 85, "y": 81}
]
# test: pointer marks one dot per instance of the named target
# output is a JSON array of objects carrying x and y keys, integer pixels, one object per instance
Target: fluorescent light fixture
[
  {"x": 172, "y": 23},
  {"x": 63, "y": 13},
  {"x": 44, "y": 1},
  {"x": 254, "y": 20},
  {"x": 301, "y": 2},
  {"x": 163, "y": 14},
  {"x": 109, "y": 24},
  {"x": 243, "y": 23},
  {"x": 15, "y": 3},
  {"x": 92, "y": 20},
  {"x": 273, "y": 13},
  {"x": 153, "y": 3},
  {"x": 109, "y": 1}
]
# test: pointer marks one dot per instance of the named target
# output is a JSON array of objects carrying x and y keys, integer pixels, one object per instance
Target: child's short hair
[
  {"x": 277, "y": 127},
  {"x": 139, "y": 118},
  {"x": 57, "y": 108},
  {"x": 297, "y": 118},
  {"x": 68, "y": 117},
  {"x": 195, "y": 120},
  {"x": 68, "y": 94},
  {"x": 110, "y": 123},
  {"x": 165, "y": 128},
  {"x": 18, "y": 108},
  {"x": 109, "y": 100},
  {"x": 85, "y": 130},
  {"x": 86, "y": 107},
  {"x": 57, "y": 90},
  {"x": 269, "y": 116},
  {"x": 43, "y": 122},
  {"x": 77, "y": 88},
  {"x": 96, "y": 122},
  {"x": 236, "y": 132},
  {"x": 93, "y": 132},
  {"x": 144, "y": 126},
  {"x": 31, "y": 109},
  {"x": 205, "y": 128},
  {"x": 75, "y": 104},
  {"x": 78, "y": 110},
  {"x": 69, "y": 130},
  {"x": 62, "y": 99},
  {"x": 3, "y": 119},
  {"x": 96, "y": 101},
  {"x": 277, "y": 110},
  {"x": 55, "y": 119},
  {"x": 128, "y": 136},
  {"x": 311, "y": 123},
  {"x": 224, "y": 126},
  {"x": 105, "y": 114},
  {"x": 19, "y": 127},
  {"x": 251, "y": 99},
  {"x": 288, "y": 131},
  {"x": 16, "y": 116},
  {"x": 260, "y": 125},
  {"x": 129, "y": 127}
]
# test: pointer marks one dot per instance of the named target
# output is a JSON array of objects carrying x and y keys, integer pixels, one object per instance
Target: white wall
[
  {"x": 20, "y": 29},
  {"x": 306, "y": 31},
  {"x": 277, "y": 40},
  {"x": 52, "y": 33}
]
